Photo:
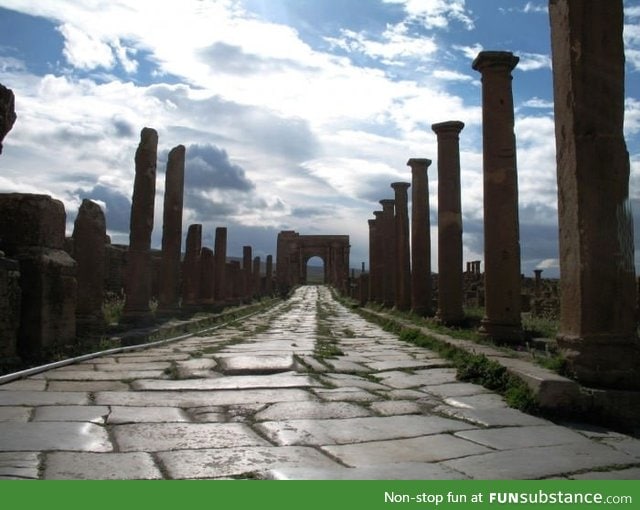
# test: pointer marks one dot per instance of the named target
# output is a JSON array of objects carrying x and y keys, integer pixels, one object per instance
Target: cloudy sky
[{"x": 296, "y": 114}]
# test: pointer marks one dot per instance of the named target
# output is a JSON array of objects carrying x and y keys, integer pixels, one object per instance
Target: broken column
[
  {"x": 191, "y": 267},
  {"x": 450, "y": 278},
  {"x": 247, "y": 277},
  {"x": 32, "y": 229},
  {"x": 420, "y": 238},
  {"x": 402, "y": 252},
  {"x": 138, "y": 271},
  {"x": 7, "y": 112},
  {"x": 597, "y": 332},
  {"x": 89, "y": 236},
  {"x": 388, "y": 252},
  {"x": 169, "y": 295},
  {"x": 257, "y": 279},
  {"x": 502, "y": 320},
  {"x": 268, "y": 287},
  {"x": 206, "y": 284},
  {"x": 220, "y": 272}
]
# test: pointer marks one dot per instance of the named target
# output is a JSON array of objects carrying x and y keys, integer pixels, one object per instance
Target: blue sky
[{"x": 296, "y": 114}]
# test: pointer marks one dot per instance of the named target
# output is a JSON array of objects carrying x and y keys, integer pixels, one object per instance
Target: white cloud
[
  {"x": 533, "y": 61},
  {"x": 548, "y": 264},
  {"x": 537, "y": 8},
  {"x": 631, "y": 116},
  {"x": 84, "y": 51},
  {"x": 536, "y": 102},
  {"x": 437, "y": 13},
  {"x": 471, "y": 52},
  {"x": 448, "y": 75}
]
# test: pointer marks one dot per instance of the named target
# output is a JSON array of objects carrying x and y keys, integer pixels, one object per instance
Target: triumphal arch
[{"x": 295, "y": 250}]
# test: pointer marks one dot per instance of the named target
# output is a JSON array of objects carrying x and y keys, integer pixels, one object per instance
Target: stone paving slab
[
  {"x": 456, "y": 389},
  {"x": 199, "y": 398},
  {"x": 398, "y": 471},
  {"x": 311, "y": 411},
  {"x": 347, "y": 394},
  {"x": 226, "y": 462},
  {"x": 396, "y": 407},
  {"x": 491, "y": 417},
  {"x": 19, "y": 465},
  {"x": 352, "y": 381},
  {"x": 122, "y": 414},
  {"x": 91, "y": 386},
  {"x": 156, "y": 437},
  {"x": 480, "y": 401},
  {"x": 616, "y": 474},
  {"x": 93, "y": 414},
  {"x": 240, "y": 382},
  {"x": 15, "y": 413},
  {"x": 403, "y": 380},
  {"x": 25, "y": 385},
  {"x": 38, "y": 436},
  {"x": 244, "y": 365},
  {"x": 355, "y": 430},
  {"x": 342, "y": 365},
  {"x": 627, "y": 445},
  {"x": 541, "y": 462},
  {"x": 81, "y": 375},
  {"x": 43, "y": 398},
  {"x": 124, "y": 366},
  {"x": 100, "y": 466},
  {"x": 507, "y": 438},
  {"x": 196, "y": 367},
  {"x": 433, "y": 448},
  {"x": 381, "y": 366}
]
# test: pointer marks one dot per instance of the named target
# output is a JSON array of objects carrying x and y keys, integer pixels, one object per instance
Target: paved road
[{"x": 306, "y": 390}]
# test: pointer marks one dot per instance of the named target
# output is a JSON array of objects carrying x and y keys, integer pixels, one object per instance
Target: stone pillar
[
  {"x": 9, "y": 309},
  {"x": 236, "y": 280},
  {"x": 257, "y": 279},
  {"x": 373, "y": 262},
  {"x": 502, "y": 319},
  {"x": 536, "y": 282},
  {"x": 403, "y": 254},
  {"x": 363, "y": 288},
  {"x": 420, "y": 238},
  {"x": 172, "y": 231},
  {"x": 388, "y": 252},
  {"x": 89, "y": 236},
  {"x": 247, "y": 258},
  {"x": 138, "y": 271},
  {"x": 220, "y": 262},
  {"x": 191, "y": 267},
  {"x": 7, "y": 112},
  {"x": 268, "y": 287},
  {"x": 450, "y": 278},
  {"x": 597, "y": 330},
  {"x": 206, "y": 277},
  {"x": 32, "y": 231}
]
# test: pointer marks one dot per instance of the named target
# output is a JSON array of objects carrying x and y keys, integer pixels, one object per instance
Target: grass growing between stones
[{"x": 326, "y": 342}]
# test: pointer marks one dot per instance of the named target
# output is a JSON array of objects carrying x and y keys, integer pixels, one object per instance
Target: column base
[
  {"x": 449, "y": 319},
  {"x": 603, "y": 361},
  {"x": 501, "y": 332}
]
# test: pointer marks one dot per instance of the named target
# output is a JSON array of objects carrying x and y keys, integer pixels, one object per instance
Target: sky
[{"x": 296, "y": 114}]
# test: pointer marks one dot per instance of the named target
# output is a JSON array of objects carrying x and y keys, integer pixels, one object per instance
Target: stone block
[
  {"x": 9, "y": 307},
  {"x": 31, "y": 220}
]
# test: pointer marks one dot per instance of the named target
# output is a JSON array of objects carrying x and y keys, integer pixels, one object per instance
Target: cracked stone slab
[
  {"x": 457, "y": 389},
  {"x": 353, "y": 381},
  {"x": 25, "y": 385},
  {"x": 240, "y": 382},
  {"x": 403, "y": 380},
  {"x": 155, "y": 437},
  {"x": 348, "y": 394},
  {"x": 396, "y": 407},
  {"x": 314, "y": 364},
  {"x": 342, "y": 365},
  {"x": 43, "y": 398},
  {"x": 355, "y": 430},
  {"x": 100, "y": 466},
  {"x": 540, "y": 462},
  {"x": 382, "y": 366},
  {"x": 627, "y": 445},
  {"x": 17, "y": 413},
  {"x": 245, "y": 365},
  {"x": 491, "y": 417},
  {"x": 433, "y": 448},
  {"x": 218, "y": 463},
  {"x": 87, "y": 386},
  {"x": 616, "y": 474},
  {"x": 124, "y": 366},
  {"x": 199, "y": 398},
  {"x": 122, "y": 414},
  {"x": 19, "y": 465},
  {"x": 37, "y": 436},
  {"x": 507, "y": 438},
  {"x": 196, "y": 367},
  {"x": 311, "y": 410},
  {"x": 481, "y": 401},
  {"x": 398, "y": 471},
  {"x": 79, "y": 375},
  {"x": 93, "y": 414}
]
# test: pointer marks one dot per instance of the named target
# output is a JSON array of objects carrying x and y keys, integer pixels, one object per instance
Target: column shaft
[
  {"x": 388, "y": 252},
  {"x": 403, "y": 254}
]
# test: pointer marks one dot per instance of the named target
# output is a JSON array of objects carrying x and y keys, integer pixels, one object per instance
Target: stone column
[
  {"x": 373, "y": 262},
  {"x": 536, "y": 282},
  {"x": 206, "y": 277},
  {"x": 191, "y": 267},
  {"x": 450, "y": 278},
  {"x": 89, "y": 236},
  {"x": 138, "y": 272},
  {"x": 247, "y": 258},
  {"x": 597, "y": 285},
  {"x": 257, "y": 279},
  {"x": 268, "y": 287},
  {"x": 403, "y": 254},
  {"x": 9, "y": 309},
  {"x": 172, "y": 231},
  {"x": 220, "y": 262},
  {"x": 388, "y": 252},
  {"x": 502, "y": 319},
  {"x": 420, "y": 238},
  {"x": 7, "y": 112}
]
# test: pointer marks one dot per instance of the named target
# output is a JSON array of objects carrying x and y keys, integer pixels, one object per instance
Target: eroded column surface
[
  {"x": 597, "y": 286},
  {"x": 191, "y": 267},
  {"x": 420, "y": 238},
  {"x": 89, "y": 236},
  {"x": 138, "y": 272},
  {"x": 169, "y": 294},
  {"x": 502, "y": 319},
  {"x": 388, "y": 252},
  {"x": 450, "y": 278},
  {"x": 403, "y": 254},
  {"x": 220, "y": 246}
]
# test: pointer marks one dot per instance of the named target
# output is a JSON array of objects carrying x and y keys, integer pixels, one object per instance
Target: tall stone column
[
  {"x": 373, "y": 261},
  {"x": 450, "y": 279},
  {"x": 172, "y": 231},
  {"x": 420, "y": 238},
  {"x": 502, "y": 319},
  {"x": 191, "y": 267},
  {"x": 138, "y": 272},
  {"x": 247, "y": 277},
  {"x": 89, "y": 236},
  {"x": 388, "y": 252},
  {"x": 268, "y": 287},
  {"x": 257, "y": 279},
  {"x": 597, "y": 277},
  {"x": 403, "y": 254},
  {"x": 206, "y": 284},
  {"x": 220, "y": 246},
  {"x": 537, "y": 282}
]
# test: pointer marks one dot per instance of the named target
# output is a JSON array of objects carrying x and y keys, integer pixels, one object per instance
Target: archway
[{"x": 315, "y": 271}]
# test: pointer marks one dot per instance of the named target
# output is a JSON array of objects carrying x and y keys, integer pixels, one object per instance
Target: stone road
[{"x": 307, "y": 389}]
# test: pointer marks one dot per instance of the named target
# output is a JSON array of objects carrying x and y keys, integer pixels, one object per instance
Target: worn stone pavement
[{"x": 305, "y": 390}]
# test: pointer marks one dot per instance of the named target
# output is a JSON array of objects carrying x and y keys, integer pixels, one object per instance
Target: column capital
[
  {"x": 494, "y": 60},
  {"x": 372, "y": 223},
  {"x": 387, "y": 203},
  {"x": 400, "y": 186},
  {"x": 377, "y": 214},
  {"x": 448, "y": 127},
  {"x": 415, "y": 162}
]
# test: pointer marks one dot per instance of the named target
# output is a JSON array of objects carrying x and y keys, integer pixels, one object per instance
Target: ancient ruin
[
  {"x": 388, "y": 251},
  {"x": 7, "y": 112},
  {"x": 220, "y": 253},
  {"x": 402, "y": 299},
  {"x": 191, "y": 267},
  {"x": 502, "y": 319}
]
